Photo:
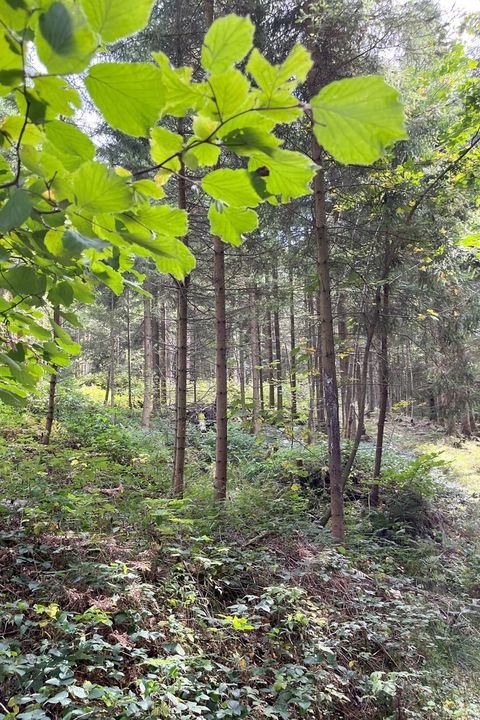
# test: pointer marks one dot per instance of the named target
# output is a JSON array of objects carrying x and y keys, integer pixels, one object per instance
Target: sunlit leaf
[
  {"x": 357, "y": 118},
  {"x": 129, "y": 95},
  {"x": 114, "y": 19},
  {"x": 227, "y": 41}
]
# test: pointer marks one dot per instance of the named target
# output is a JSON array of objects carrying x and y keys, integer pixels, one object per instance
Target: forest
[{"x": 240, "y": 359}]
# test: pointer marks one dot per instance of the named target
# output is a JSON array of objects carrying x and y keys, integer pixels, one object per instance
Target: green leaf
[
  {"x": 14, "y": 13},
  {"x": 11, "y": 68},
  {"x": 99, "y": 190},
  {"x": 234, "y": 187},
  {"x": 289, "y": 173},
  {"x": 69, "y": 144},
  {"x": 24, "y": 280},
  {"x": 247, "y": 140},
  {"x": 180, "y": 94},
  {"x": 171, "y": 256},
  {"x": 272, "y": 78},
  {"x": 203, "y": 155},
  {"x": 129, "y": 95},
  {"x": 65, "y": 42},
  {"x": 15, "y": 211},
  {"x": 61, "y": 294},
  {"x": 227, "y": 41},
  {"x": 357, "y": 118},
  {"x": 114, "y": 19},
  {"x": 164, "y": 144},
  {"x": 230, "y": 94},
  {"x": 52, "y": 96},
  {"x": 229, "y": 223},
  {"x": 163, "y": 220}
]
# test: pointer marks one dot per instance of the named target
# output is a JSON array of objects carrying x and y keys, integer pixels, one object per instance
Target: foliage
[{"x": 69, "y": 221}]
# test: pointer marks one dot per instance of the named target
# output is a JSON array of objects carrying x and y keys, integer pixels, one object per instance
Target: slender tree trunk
[
  {"x": 319, "y": 377},
  {"x": 362, "y": 390},
  {"x": 52, "y": 388},
  {"x": 182, "y": 319},
  {"x": 256, "y": 410},
  {"x": 328, "y": 352},
  {"x": 278, "y": 346},
  {"x": 241, "y": 367},
  {"x": 382, "y": 413},
  {"x": 156, "y": 349},
  {"x": 162, "y": 351},
  {"x": 113, "y": 354},
  {"x": 293, "y": 359},
  {"x": 260, "y": 368},
  {"x": 221, "y": 372},
  {"x": 129, "y": 353},
  {"x": 344, "y": 361},
  {"x": 271, "y": 381},
  {"x": 147, "y": 363}
]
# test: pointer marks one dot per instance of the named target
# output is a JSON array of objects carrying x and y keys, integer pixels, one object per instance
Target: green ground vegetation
[{"x": 119, "y": 602}]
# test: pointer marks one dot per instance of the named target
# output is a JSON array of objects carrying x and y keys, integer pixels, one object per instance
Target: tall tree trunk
[
  {"x": 147, "y": 363},
  {"x": 260, "y": 368},
  {"x": 362, "y": 390},
  {"x": 383, "y": 404},
  {"x": 256, "y": 410},
  {"x": 52, "y": 388},
  {"x": 241, "y": 367},
  {"x": 278, "y": 345},
  {"x": 162, "y": 352},
  {"x": 328, "y": 352},
  {"x": 293, "y": 350},
  {"x": 156, "y": 349},
  {"x": 113, "y": 354},
  {"x": 221, "y": 372},
  {"x": 182, "y": 317},
  {"x": 180, "y": 390},
  {"x": 129, "y": 352},
  {"x": 344, "y": 362},
  {"x": 271, "y": 381}
]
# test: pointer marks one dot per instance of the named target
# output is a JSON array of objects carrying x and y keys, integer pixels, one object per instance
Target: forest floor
[{"x": 118, "y": 602}]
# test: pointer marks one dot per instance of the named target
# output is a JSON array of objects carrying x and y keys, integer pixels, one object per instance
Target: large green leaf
[
  {"x": 357, "y": 118},
  {"x": 229, "y": 223},
  {"x": 234, "y": 187},
  {"x": 15, "y": 211},
  {"x": 69, "y": 144},
  {"x": 114, "y": 19},
  {"x": 64, "y": 40},
  {"x": 129, "y": 95},
  {"x": 227, "y": 42},
  {"x": 99, "y": 190}
]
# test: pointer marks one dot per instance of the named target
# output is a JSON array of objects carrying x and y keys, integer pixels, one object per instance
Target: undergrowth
[{"x": 119, "y": 602}]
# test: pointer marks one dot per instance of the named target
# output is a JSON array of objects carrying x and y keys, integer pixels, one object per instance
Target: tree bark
[
  {"x": 278, "y": 346},
  {"x": 271, "y": 380},
  {"x": 129, "y": 353},
  {"x": 293, "y": 350},
  {"x": 147, "y": 363},
  {"x": 256, "y": 409},
  {"x": 162, "y": 352},
  {"x": 52, "y": 388},
  {"x": 221, "y": 372},
  {"x": 383, "y": 404},
  {"x": 328, "y": 352}
]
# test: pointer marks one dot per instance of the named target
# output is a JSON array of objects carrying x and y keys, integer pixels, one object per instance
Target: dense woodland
[{"x": 239, "y": 374}]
